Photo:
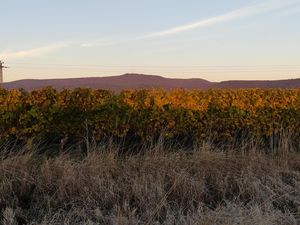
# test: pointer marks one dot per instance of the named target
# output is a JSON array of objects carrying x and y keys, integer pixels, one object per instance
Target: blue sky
[{"x": 215, "y": 40}]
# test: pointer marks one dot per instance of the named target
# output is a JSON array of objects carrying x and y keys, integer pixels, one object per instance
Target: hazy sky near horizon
[{"x": 212, "y": 39}]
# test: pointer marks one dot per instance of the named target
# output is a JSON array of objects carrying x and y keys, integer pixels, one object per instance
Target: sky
[{"x": 211, "y": 39}]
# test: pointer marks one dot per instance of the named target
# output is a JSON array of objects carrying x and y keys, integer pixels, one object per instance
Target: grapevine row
[{"x": 143, "y": 114}]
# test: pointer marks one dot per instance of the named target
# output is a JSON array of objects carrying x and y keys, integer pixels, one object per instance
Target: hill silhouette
[{"x": 139, "y": 81}]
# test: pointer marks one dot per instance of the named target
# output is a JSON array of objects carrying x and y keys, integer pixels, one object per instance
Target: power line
[
  {"x": 147, "y": 66},
  {"x": 112, "y": 69}
]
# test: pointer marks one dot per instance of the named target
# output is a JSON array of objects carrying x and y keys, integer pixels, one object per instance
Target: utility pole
[{"x": 1, "y": 71}]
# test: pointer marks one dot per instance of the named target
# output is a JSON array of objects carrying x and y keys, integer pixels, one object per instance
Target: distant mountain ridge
[{"x": 139, "y": 81}]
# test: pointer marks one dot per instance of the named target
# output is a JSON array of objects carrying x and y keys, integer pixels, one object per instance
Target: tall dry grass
[{"x": 202, "y": 186}]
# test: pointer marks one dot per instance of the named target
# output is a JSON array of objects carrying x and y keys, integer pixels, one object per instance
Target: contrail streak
[
  {"x": 230, "y": 16},
  {"x": 33, "y": 52}
]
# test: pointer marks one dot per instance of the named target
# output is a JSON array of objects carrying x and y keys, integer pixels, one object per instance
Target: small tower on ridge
[{"x": 1, "y": 71}]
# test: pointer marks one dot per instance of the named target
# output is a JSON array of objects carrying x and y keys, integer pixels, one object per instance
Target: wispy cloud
[
  {"x": 250, "y": 10},
  {"x": 100, "y": 42},
  {"x": 11, "y": 55},
  {"x": 103, "y": 42}
]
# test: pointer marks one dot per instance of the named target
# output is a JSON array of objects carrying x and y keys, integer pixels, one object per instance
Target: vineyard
[{"x": 181, "y": 115}]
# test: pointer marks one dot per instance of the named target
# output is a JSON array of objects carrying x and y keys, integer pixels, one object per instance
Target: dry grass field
[{"x": 200, "y": 186}]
